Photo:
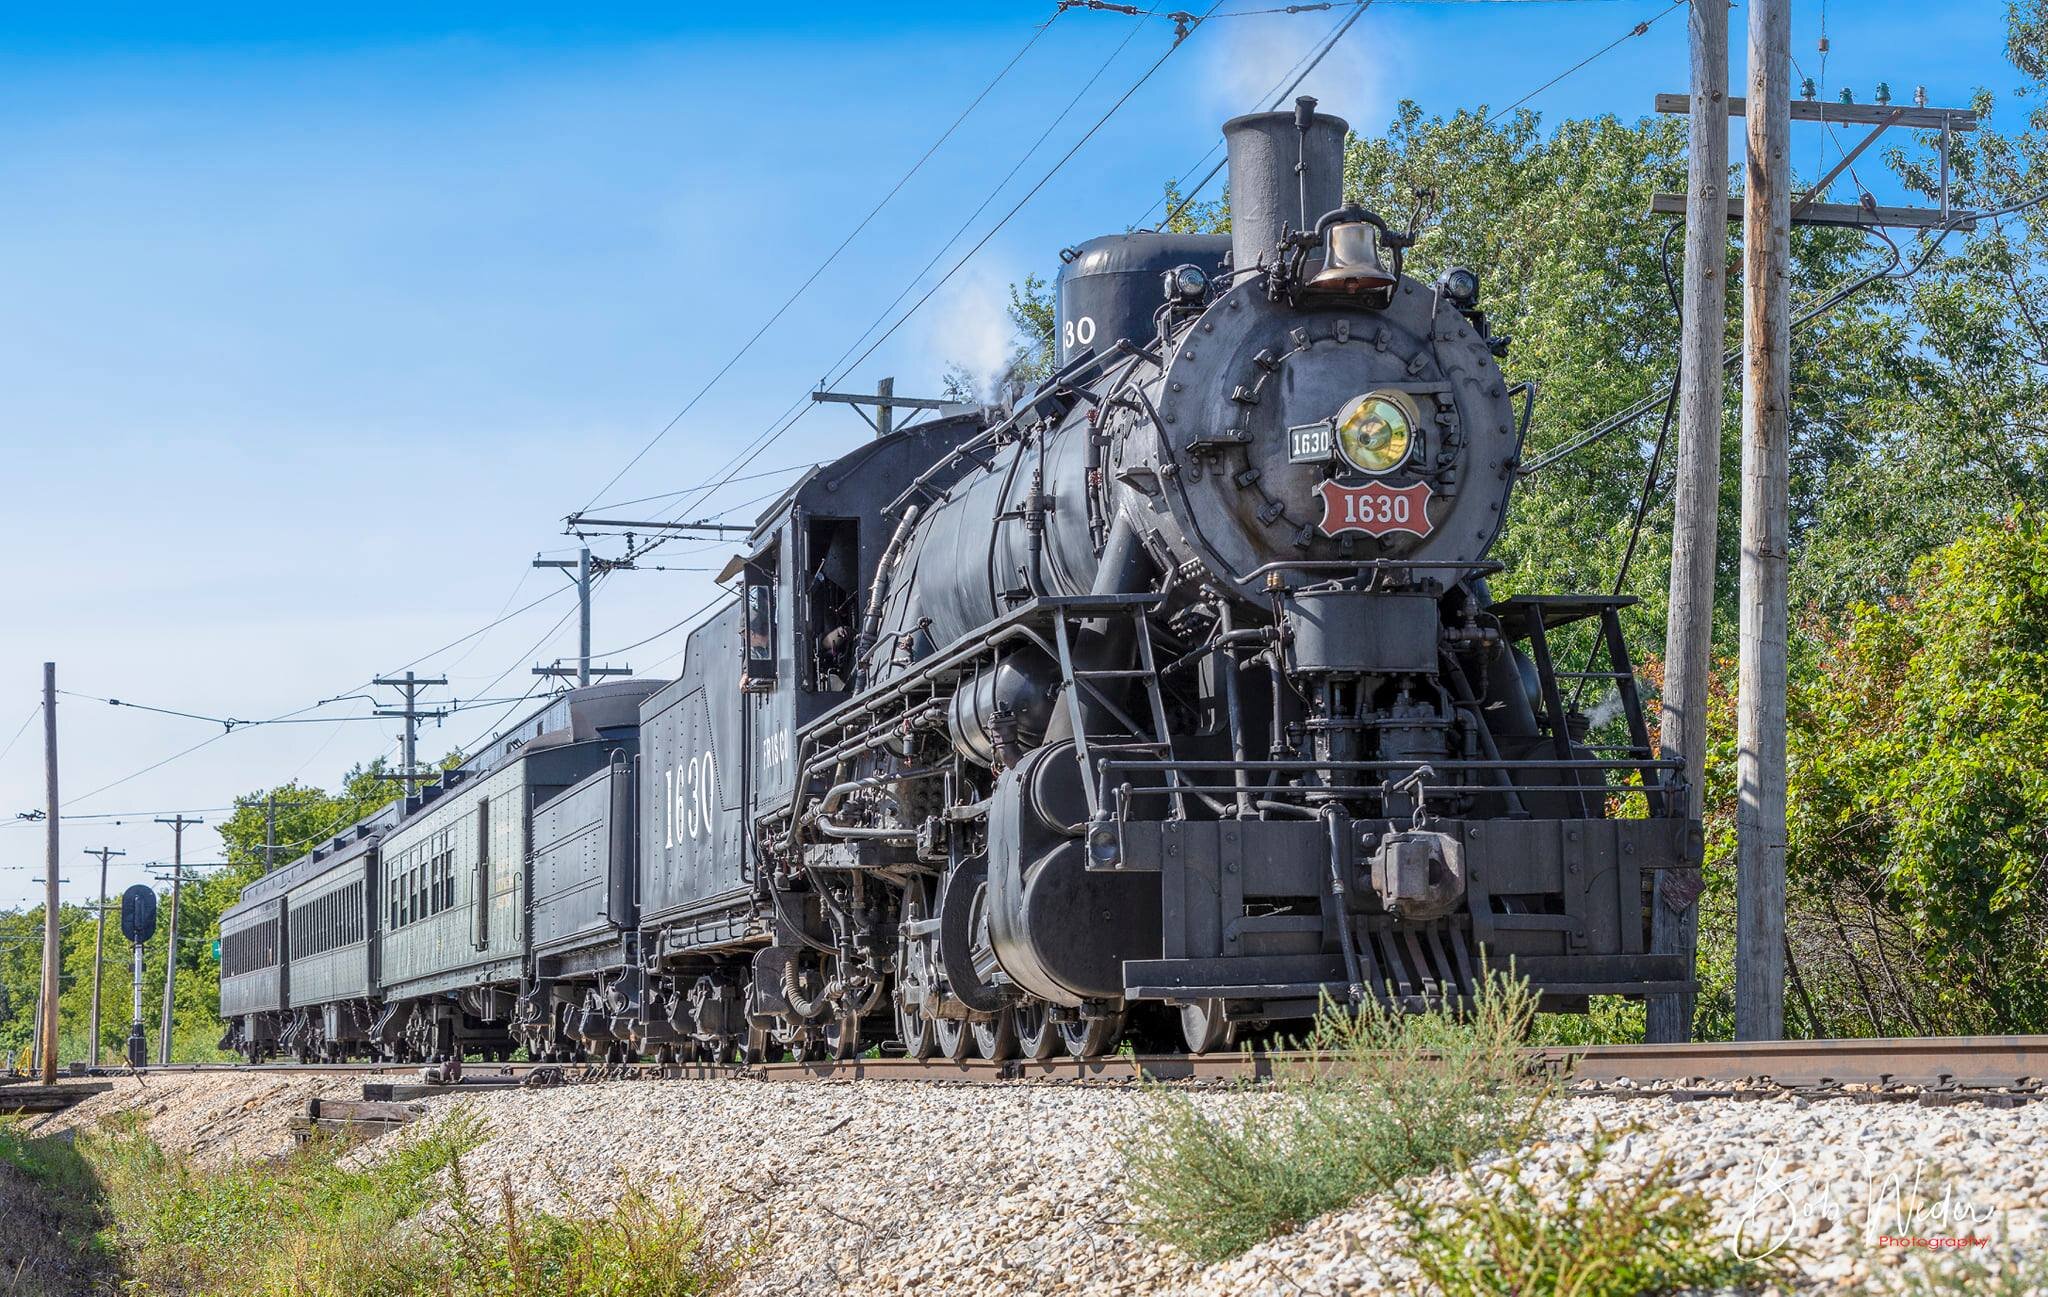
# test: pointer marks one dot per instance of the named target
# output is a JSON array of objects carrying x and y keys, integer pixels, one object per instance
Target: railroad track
[{"x": 2010, "y": 1065}]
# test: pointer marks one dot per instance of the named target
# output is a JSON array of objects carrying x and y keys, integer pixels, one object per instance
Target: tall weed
[
  {"x": 1576, "y": 1234},
  {"x": 403, "y": 1225},
  {"x": 1380, "y": 1097}
]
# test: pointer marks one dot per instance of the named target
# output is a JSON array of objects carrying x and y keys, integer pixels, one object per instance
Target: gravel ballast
[{"x": 894, "y": 1187}]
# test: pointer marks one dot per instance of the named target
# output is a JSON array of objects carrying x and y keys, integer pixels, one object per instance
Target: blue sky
[{"x": 313, "y": 323}]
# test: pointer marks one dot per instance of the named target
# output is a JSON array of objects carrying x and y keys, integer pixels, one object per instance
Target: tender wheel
[
  {"x": 1037, "y": 1038},
  {"x": 995, "y": 1038},
  {"x": 1092, "y": 1037},
  {"x": 1204, "y": 1026},
  {"x": 952, "y": 1037}
]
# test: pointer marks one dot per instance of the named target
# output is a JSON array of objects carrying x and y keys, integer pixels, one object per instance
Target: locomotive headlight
[
  {"x": 1186, "y": 283},
  {"x": 1375, "y": 431}
]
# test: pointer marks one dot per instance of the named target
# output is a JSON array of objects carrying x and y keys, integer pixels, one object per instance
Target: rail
[{"x": 2004, "y": 1066}]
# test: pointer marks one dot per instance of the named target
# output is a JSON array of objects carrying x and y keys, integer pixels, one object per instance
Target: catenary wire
[
  {"x": 1037, "y": 33},
  {"x": 1641, "y": 28},
  {"x": 781, "y": 424},
  {"x": 1328, "y": 44},
  {"x": 774, "y": 433}
]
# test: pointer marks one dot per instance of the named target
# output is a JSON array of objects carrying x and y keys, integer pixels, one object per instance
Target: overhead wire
[
  {"x": 33, "y": 712},
  {"x": 782, "y": 423},
  {"x": 670, "y": 495},
  {"x": 1328, "y": 44},
  {"x": 1037, "y": 34},
  {"x": 1614, "y": 423},
  {"x": 1640, "y": 29},
  {"x": 776, "y": 431}
]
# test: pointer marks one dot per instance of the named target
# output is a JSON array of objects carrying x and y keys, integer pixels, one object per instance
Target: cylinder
[{"x": 1267, "y": 191}]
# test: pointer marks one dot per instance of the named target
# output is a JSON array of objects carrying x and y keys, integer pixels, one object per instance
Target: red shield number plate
[{"x": 1376, "y": 509}]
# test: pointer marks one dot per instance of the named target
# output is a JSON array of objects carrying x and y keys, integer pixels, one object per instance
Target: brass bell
[{"x": 1351, "y": 261}]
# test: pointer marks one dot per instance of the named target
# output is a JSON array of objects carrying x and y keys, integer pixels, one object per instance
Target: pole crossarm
[
  {"x": 1866, "y": 216},
  {"x": 869, "y": 398},
  {"x": 1819, "y": 110},
  {"x": 410, "y": 685},
  {"x": 576, "y": 520}
]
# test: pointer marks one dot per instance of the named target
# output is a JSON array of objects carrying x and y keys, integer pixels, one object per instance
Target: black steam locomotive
[{"x": 1178, "y": 691}]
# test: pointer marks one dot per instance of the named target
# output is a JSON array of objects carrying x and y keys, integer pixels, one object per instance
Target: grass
[
  {"x": 1382, "y": 1097},
  {"x": 1580, "y": 1235},
  {"x": 646, "y": 1247},
  {"x": 51, "y": 1243},
  {"x": 403, "y": 1225}
]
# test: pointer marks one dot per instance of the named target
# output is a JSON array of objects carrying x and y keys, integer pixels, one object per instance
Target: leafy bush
[
  {"x": 1382, "y": 1096},
  {"x": 1632, "y": 1236}
]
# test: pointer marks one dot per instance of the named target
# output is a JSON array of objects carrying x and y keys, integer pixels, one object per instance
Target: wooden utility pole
[
  {"x": 53, "y": 948},
  {"x": 179, "y": 823},
  {"x": 1688, "y": 644},
  {"x": 99, "y": 945},
  {"x": 1766, "y": 464}
]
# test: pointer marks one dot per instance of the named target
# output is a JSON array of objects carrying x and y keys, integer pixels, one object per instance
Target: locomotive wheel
[
  {"x": 754, "y": 1048},
  {"x": 1037, "y": 1039},
  {"x": 915, "y": 1030},
  {"x": 952, "y": 1037},
  {"x": 1204, "y": 1027},
  {"x": 995, "y": 1037},
  {"x": 842, "y": 1037},
  {"x": 1092, "y": 1037},
  {"x": 912, "y": 1026}
]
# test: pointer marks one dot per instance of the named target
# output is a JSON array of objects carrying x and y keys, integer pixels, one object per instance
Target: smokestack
[{"x": 1285, "y": 169}]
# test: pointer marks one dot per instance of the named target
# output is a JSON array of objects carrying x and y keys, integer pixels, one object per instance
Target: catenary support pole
[
  {"x": 1766, "y": 459},
  {"x": 46, "y": 1017},
  {"x": 586, "y": 569},
  {"x": 583, "y": 617},
  {"x": 410, "y": 686},
  {"x": 99, "y": 945},
  {"x": 179, "y": 824},
  {"x": 1688, "y": 644}
]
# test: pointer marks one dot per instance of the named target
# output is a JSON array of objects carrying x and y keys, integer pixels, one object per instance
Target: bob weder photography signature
[{"x": 1902, "y": 1205}]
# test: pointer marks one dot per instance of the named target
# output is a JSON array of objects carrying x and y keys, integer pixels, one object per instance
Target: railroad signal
[{"x": 138, "y": 914}]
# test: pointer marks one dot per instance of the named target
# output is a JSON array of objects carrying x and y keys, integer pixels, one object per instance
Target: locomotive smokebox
[{"x": 1286, "y": 169}]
